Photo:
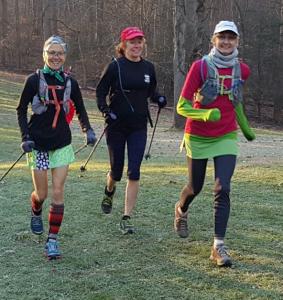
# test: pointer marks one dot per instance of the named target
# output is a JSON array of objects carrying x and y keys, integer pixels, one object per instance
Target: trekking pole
[
  {"x": 83, "y": 167},
  {"x": 12, "y": 166},
  {"x": 147, "y": 156},
  {"x": 80, "y": 149}
]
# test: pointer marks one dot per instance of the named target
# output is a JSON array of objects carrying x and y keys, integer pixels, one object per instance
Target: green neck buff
[{"x": 47, "y": 70}]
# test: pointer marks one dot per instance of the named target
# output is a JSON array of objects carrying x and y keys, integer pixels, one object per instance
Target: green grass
[{"x": 99, "y": 263}]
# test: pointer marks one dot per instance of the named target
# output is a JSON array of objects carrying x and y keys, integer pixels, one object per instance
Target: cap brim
[
  {"x": 226, "y": 29},
  {"x": 134, "y": 35}
]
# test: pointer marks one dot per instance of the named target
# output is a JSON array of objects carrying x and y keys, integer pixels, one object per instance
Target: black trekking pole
[
  {"x": 147, "y": 156},
  {"x": 80, "y": 149},
  {"x": 12, "y": 166},
  {"x": 83, "y": 167}
]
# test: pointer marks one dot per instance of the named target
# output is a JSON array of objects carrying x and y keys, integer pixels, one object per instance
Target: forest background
[{"x": 177, "y": 32}]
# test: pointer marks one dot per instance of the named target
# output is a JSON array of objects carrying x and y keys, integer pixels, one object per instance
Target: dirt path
[{"x": 266, "y": 149}]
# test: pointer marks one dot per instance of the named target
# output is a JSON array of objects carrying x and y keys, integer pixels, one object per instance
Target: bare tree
[
  {"x": 190, "y": 42},
  {"x": 3, "y": 30}
]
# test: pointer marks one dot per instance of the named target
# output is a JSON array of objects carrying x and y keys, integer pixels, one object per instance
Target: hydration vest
[
  {"x": 41, "y": 100},
  {"x": 213, "y": 85}
]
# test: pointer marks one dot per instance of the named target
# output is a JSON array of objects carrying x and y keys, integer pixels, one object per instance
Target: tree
[
  {"x": 190, "y": 42},
  {"x": 3, "y": 30}
]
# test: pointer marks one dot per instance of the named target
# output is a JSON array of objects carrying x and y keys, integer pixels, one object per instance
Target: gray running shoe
[
  {"x": 221, "y": 256},
  {"x": 126, "y": 225},
  {"x": 180, "y": 222},
  {"x": 106, "y": 204}
]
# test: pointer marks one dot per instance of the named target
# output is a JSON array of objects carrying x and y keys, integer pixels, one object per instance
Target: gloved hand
[
  {"x": 109, "y": 117},
  {"x": 90, "y": 137},
  {"x": 161, "y": 101},
  {"x": 212, "y": 115},
  {"x": 249, "y": 135},
  {"x": 27, "y": 146}
]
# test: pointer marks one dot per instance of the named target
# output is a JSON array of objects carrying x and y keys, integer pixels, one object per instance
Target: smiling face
[
  {"x": 225, "y": 42},
  {"x": 54, "y": 57},
  {"x": 134, "y": 48}
]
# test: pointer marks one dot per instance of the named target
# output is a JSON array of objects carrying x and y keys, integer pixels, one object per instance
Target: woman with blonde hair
[
  {"x": 127, "y": 83},
  {"x": 211, "y": 100}
]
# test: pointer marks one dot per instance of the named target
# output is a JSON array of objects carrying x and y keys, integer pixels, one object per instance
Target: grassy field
[{"x": 99, "y": 263}]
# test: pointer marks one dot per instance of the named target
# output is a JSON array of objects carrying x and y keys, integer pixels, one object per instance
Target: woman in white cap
[
  {"x": 46, "y": 137},
  {"x": 211, "y": 100},
  {"x": 128, "y": 82}
]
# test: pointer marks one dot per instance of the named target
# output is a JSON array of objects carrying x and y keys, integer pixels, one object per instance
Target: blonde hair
[{"x": 121, "y": 47}]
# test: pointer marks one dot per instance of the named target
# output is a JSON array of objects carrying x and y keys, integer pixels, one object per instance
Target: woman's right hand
[{"x": 27, "y": 146}]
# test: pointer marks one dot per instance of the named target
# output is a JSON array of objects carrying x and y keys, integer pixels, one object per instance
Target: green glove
[
  {"x": 243, "y": 123},
  {"x": 213, "y": 114},
  {"x": 185, "y": 109}
]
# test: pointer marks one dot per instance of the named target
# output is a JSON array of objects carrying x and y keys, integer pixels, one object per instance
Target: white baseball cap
[{"x": 226, "y": 26}]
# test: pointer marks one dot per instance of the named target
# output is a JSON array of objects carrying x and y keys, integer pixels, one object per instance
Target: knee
[
  {"x": 191, "y": 191},
  {"x": 221, "y": 189},
  {"x": 134, "y": 175},
  {"x": 115, "y": 175}
]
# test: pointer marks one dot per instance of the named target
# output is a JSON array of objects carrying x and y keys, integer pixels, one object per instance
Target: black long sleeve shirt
[
  {"x": 39, "y": 127},
  {"x": 138, "y": 81}
]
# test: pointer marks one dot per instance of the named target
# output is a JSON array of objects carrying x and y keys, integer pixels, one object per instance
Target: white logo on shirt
[{"x": 146, "y": 78}]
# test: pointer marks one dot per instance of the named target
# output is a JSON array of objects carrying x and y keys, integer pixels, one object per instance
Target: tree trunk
[
  {"x": 18, "y": 35},
  {"x": 278, "y": 98},
  {"x": 179, "y": 56},
  {"x": 4, "y": 31},
  {"x": 190, "y": 42}
]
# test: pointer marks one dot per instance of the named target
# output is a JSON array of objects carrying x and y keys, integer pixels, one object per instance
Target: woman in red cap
[
  {"x": 46, "y": 137},
  {"x": 211, "y": 100},
  {"x": 128, "y": 82}
]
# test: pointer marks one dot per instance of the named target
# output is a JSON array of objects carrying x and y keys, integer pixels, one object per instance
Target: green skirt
[
  {"x": 198, "y": 147},
  {"x": 44, "y": 160}
]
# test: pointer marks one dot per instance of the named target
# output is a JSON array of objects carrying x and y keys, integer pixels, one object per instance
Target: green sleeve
[
  {"x": 243, "y": 123},
  {"x": 185, "y": 109}
]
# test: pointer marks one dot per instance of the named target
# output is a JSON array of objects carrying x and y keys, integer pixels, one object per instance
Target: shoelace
[
  {"x": 223, "y": 251},
  {"x": 52, "y": 246},
  {"x": 183, "y": 223},
  {"x": 37, "y": 221},
  {"x": 107, "y": 200}
]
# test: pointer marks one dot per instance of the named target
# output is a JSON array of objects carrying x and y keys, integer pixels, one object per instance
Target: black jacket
[
  {"x": 139, "y": 84},
  {"x": 39, "y": 127}
]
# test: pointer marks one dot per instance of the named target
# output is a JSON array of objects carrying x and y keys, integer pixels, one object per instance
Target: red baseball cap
[{"x": 131, "y": 33}]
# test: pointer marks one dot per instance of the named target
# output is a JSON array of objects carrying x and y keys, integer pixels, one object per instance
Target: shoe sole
[
  {"x": 106, "y": 209},
  {"x": 37, "y": 232},
  {"x": 227, "y": 264},
  {"x": 52, "y": 257},
  {"x": 129, "y": 231}
]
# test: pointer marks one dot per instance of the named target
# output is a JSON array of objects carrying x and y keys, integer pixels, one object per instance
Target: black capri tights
[
  {"x": 117, "y": 139},
  {"x": 224, "y": 167}
]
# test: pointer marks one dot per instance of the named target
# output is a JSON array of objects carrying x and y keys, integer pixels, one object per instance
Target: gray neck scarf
[{"x": 223, "y": 61}]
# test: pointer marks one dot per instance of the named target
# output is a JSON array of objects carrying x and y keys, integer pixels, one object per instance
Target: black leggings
[
  {"x": 224, "y": 167},
  {"x": 117, "y": 139}
]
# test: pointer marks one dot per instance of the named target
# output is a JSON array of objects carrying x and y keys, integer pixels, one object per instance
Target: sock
[
  {"x": 56, "y": 213},
  {"x": 36, "y": 205},
  {"x": 217, "y": 242}
]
